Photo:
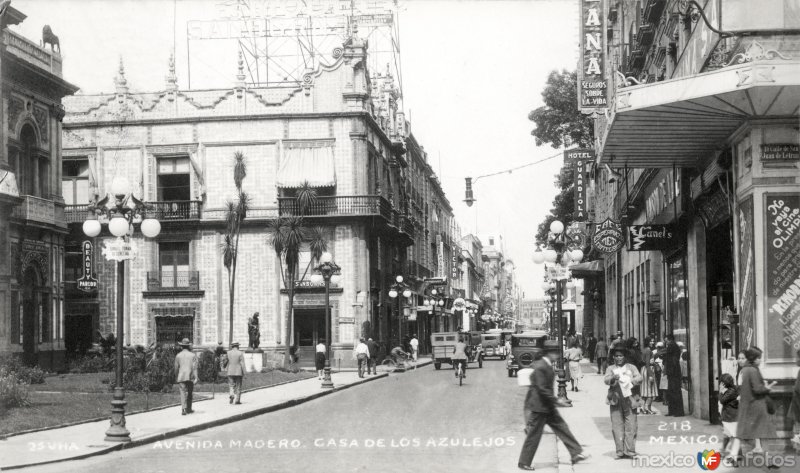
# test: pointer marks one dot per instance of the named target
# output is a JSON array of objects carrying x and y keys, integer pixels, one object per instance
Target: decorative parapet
[
  {"x": 36, "y": 209},
  {"x": 32, "y": 53}
]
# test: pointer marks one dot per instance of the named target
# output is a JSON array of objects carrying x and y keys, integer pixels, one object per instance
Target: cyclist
[
  {"x": 398, "y": 355},
  {"x": 460, "y": 357}
]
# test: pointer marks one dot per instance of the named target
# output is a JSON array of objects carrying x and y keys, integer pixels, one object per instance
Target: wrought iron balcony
[
  {"x": 76, "y": 213},
  {"x": 174, "y": 210},
  {"x": 158, "y": 281},
  {"x": 337, "y": 206}
]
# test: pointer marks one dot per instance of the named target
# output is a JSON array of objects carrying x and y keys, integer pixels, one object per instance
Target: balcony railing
[
  {"x": 76, "y": 213},
  {"x": 174, "y": 210},
  {"x": 173, "y": 281},
  {"x": 337, "y": 206}
]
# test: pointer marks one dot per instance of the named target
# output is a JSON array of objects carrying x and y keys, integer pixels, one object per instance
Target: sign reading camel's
[
  {"x": 592, "y": 85},
  {"x": 782, "y": 284},
  {"x": 652, "y": 237},
  {"x": 608, "y": 236},
  {"x": 579, "y": 159}
]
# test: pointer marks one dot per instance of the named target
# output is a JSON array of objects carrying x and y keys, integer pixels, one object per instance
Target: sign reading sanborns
[{"x": 592, "y": 85}]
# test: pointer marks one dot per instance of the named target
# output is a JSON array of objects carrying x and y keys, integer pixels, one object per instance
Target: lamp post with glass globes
[
  {"x": 434, "y": 300},
  {"x": 327, "y": 270},
  {"x": 395, "y": 291},
  {"x": 561, "y": 251},
  {"x": 121, "y": 214}
]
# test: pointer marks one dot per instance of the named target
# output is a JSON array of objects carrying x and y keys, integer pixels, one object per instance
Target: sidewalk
[
  {"x": 85, "y": 440},
  {"x": 658, "y": 435}
]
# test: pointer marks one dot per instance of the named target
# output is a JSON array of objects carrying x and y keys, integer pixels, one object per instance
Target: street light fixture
[
  {"x": 399, "y": 288},
  {"x": 561, "y": 251},
  {"x": 329, "y": 270},
  {"x": 121, "y": 213}
]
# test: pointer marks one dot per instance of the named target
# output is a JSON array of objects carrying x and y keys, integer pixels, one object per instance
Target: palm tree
[
  {"x": 288, "y": 234},
  {"x": 235, "y": 213}
]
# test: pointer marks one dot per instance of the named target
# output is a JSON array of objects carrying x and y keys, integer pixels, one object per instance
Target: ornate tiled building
[
  {"x": 340, "y": 131},
  {"x": 32, "y": 224}
]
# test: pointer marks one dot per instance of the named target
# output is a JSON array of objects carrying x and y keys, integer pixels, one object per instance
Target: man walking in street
[
  {"x": 186, "y": 375},
  {"x": 601, "y": 353},
  {"x": 362, "y": 355},
  {"x": 540, "y": 408},
  {"x": 235, "y": 373},
  {"x": 591, "y": 344},
  {"x": 372, "y": 348}
]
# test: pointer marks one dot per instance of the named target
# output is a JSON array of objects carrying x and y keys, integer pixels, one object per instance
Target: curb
[{"x": 205, "y": 425}]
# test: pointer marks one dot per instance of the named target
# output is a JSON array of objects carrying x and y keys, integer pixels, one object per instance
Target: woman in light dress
[
  {"x": 649, "y": 390},
  {"x": 573, "y": 355}
]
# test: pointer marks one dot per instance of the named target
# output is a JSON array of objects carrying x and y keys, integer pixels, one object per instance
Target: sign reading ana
[{"x": 592, "y": 86}]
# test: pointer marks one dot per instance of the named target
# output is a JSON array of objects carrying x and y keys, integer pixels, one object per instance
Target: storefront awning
[
  {"x": 679, "y": 121},
  {"x": 314, "y": 165},
  {"x": 587, "y": 270}
]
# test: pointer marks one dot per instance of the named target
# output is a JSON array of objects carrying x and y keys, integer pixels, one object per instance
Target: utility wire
[{"x": 509, "y": 171}]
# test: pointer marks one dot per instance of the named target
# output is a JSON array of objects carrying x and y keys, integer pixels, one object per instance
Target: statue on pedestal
[{"x": 253, "y": 332}]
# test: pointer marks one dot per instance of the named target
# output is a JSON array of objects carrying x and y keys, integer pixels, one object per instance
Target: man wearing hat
[
  {"x": 540, "y": 408},
  {"x": 235, "y": 373},
  {"x": 186, "y": 375},
  {"x": 621, "y": 377}
]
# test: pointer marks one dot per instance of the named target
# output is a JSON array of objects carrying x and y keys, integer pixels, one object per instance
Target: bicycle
[
  {"x": 460, "y": 371},
  {"x": 390, "y": 364}
]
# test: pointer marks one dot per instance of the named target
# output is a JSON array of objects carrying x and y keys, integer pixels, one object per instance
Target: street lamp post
[
  {"x": 434, "y": 300},
  {"x": 561, "y": 251},
  {"x": 328, "y": 269},
  {"x": 121, "y": 214},
  {"x": 397, "y": 289}
]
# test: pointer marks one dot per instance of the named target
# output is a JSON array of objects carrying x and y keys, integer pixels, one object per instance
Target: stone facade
[
  {"x": 32, "y": 222},
  {"x": 341, "y": 118}
]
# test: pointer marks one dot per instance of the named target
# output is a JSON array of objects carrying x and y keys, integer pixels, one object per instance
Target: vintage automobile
[
  {"x": 493, "y": 342},
  {"x": 522, "y": 347},
  {"x": 442, "y": 344}
]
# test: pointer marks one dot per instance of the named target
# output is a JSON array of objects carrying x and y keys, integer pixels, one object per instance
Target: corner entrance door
[
  {"x": 309, "y": 325},
  {"x": 30, "y": 302}
]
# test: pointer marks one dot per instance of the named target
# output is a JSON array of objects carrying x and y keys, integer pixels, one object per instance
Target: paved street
[{"x": 421, "y": 419}]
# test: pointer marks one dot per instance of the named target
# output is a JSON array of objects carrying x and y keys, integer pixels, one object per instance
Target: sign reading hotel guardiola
[
  {"x": 579, "y": 159},
  {"x": 782, "y": 244},
  {"x": 592, "y": 86},
  {"x": 652, "y": 237}
]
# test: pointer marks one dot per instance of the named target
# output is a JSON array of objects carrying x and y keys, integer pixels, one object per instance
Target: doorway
[
  {"x": 30, "y": 306},
  {"x": 719, "y": 276},
  {"x": 309, "y": 330}
]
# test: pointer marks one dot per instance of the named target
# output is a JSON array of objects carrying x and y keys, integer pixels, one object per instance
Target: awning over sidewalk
[
  {"x": 587, "y": 270},
  {"x": 312, "y": 164},
  {"x": 681, "y": 120}
]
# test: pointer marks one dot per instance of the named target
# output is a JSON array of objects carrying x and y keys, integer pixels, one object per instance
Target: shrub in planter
[
  {"x": 13, "y": 391},
  {"x": 91, "y": 364},
  {"x": 206, "y": 367}
]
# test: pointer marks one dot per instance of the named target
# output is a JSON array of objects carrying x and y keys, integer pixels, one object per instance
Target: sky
[{"x": 471, "y": 71}]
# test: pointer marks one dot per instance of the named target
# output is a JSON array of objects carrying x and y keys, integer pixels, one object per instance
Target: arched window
[{"x": 32, "y": 172}]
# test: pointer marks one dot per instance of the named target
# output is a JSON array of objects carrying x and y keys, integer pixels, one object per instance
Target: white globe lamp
[
  {"x": 392, "y": 293},
  {"x": 550, "y": 255},
  {"x": 545, "y": 285},
  {"x": 316, "y": 278},
  {"x": 407, "y": 293},
  {"x": 326, "y": 257},
  {"x": 120, "y": 186},
  {"x": 441, "y": 303},
  {"x": 336, "y": 278},
  {"x": 538, "y": 257},
  {"x": 118, "y": 226},
  {"x": 556, "y": 227},
  {"x": 577, "y": 255},
  {"x": 151, "y": 227},
  {"x": 399, "y": 279},
  {"x": 91, "y": 228}
]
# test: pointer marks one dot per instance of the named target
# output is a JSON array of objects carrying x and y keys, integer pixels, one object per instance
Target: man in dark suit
[
  {"x": 540, "y": 409},
  {"x": 373, "y": 356}
]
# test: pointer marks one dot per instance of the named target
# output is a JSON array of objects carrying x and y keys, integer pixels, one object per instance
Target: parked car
[{"x": 522, "y": 347}]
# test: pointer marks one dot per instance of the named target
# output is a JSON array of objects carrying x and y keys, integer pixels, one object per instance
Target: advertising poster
[
  {"x": 592, "y": 86},
  {"x": 782, "y": 277},
  {"x": 747, "y": 304}
]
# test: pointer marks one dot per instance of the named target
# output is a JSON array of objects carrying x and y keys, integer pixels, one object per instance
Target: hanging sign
[
  {"x": 119, "y": 250},
  {"x": 652, "y": 237},
  {"x": 608, "y": 236},
  {"x": 87, "y": 283},
  {"x": 782, "y": 278},
  {"x": 592, "y": 85},
  {"x": 579, "y": 160}
]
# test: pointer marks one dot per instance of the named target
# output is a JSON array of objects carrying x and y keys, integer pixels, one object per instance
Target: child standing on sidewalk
[{"x": 729, "y": 410}]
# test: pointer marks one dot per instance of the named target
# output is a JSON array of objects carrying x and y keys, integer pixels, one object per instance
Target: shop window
[
  {"x": 174, "y": 183},
  {"x": 75, "y": 181}
]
